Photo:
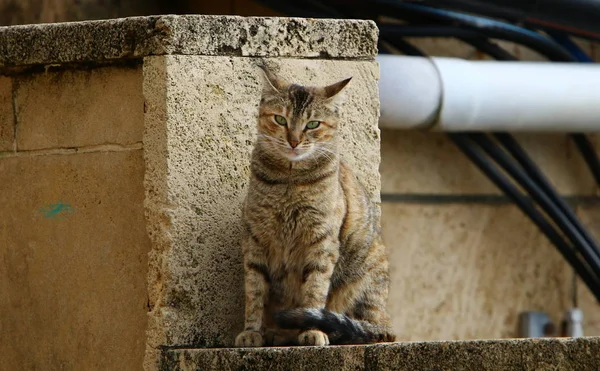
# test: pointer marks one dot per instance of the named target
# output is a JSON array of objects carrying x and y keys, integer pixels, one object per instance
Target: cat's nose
[{"x": 293, "y": 143}]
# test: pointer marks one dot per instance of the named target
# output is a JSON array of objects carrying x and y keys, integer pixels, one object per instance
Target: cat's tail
[{"x": 340, "y": 328}]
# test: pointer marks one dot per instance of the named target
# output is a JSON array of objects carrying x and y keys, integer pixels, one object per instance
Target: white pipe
[
  {"x": 488, "y": 95},
  {"x": 410, "y": 92}
]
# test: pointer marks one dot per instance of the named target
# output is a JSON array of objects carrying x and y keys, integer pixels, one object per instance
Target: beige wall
[
  {"x": 73, "y": 250},
  {"x": 465, "y": 270}
]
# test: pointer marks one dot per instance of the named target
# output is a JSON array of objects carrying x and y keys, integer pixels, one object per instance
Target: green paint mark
[{"x": 57, "y": 211}]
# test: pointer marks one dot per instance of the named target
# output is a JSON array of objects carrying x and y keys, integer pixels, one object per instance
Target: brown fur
[{"x": 313, "y": 240}]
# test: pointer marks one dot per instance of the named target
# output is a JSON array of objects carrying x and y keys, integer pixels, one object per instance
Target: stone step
[{"x": 555, "y": 354}]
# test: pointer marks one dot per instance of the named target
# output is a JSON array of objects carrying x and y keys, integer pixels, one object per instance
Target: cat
[{"x": 315, "y": 267}]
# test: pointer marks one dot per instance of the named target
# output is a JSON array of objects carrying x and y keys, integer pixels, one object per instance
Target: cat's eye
[
  {"x": 313, "y": 124},
  {"x": 280, "y": 120}
]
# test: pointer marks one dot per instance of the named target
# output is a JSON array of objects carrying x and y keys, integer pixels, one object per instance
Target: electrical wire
[
  {"x": 464, "y": 143},
  {"x": 548, "y": 202},
  {"x": 492, "y": 28},
  {"x": 536, "y": 175},
  {"x": 396, "y": 33},
  {"x": 589, "y": 155},
  {"x": 559, "y": 211}
]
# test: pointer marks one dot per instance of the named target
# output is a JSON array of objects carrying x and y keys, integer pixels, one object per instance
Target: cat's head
[{"x": 299, "y": 122}]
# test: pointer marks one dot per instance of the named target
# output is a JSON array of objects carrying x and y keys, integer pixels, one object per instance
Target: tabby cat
[{"x": 316, "y": 272}]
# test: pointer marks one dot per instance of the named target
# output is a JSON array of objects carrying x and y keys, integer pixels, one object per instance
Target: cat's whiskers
[
  {"x": 325, "y": 152},
  {"x": 268, "y": 138}
]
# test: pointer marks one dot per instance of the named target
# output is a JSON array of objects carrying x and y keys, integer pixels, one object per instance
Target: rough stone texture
[
  {"x": 42, "y": 11},
  {"x": 136, "y": 37},
  {"x": 200, "y": 119},
  {"x": 75, "y": 108},
  {"x": 272, "y": 359},
  {"x": 73, "y": 262},
  {"x": 7, "y": 122},
  {"x": 495, "y": 355}
]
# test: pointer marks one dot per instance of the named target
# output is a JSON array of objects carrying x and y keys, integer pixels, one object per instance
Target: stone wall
[{"x": 125, "y": 145}]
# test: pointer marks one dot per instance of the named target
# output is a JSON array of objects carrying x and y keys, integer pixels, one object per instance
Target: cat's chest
[
  {"x": 296, "y": 215},
  {"x": 288, "y": 218}
]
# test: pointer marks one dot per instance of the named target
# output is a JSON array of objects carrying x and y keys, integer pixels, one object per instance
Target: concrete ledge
[
  {"x": 137, "y": 37},
  {"x": 496, "y": 355}
]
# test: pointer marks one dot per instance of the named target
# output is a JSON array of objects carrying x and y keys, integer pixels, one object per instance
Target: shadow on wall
[{"x": 13, "y": 12}]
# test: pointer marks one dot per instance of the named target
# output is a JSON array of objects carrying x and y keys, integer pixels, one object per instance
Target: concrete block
[
  {"x": 73, "y": 262},
  {"x": 430, "y": 163},
  {"x": 495, "y": 355},
  {"x": 75, "y": 108},
  {"x": 200, "y": 126},
  {"x": 342, "y": 358},
  {"x": 137, "y": 37},
  {"x": 458, "y": 267},
  {"x": 7, "y": 122}
]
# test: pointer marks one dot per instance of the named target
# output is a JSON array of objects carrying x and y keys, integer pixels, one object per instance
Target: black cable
[
  {"x": 405, "y": 47},
  {"x": 540, "y": 197},
  {"x": 589, "y": 155},
  {"x": 492, "y": 28},
  {"x": 578, "y": 17},
  {"x": 527, "y": 164},
  {"x": 491, "y": 49},
  {"x": 463, "y": 142},
  {"x": 471, "y": 37},
  {"x": 417, "y": 30},
  {"x": 553, "y": 203}
]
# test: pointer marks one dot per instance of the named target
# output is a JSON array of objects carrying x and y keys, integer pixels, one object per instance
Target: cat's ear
[
  {"x": 332, "y": 90},
  {"x": 272, "y": 83}
]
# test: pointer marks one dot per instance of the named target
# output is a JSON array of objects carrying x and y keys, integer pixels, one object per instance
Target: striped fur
[
  {"x": 340, "y": 328},
  {"x": 315, "y": 266}
]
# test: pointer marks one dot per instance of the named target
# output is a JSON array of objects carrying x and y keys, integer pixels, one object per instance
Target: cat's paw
[
  {"x": 249, "y": 339},
  {"x": 313, "y": 337}
]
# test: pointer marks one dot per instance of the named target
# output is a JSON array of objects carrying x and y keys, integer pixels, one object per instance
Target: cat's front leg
[
  {"x": 256, "y": 277},
  {"x": 316, "y": 278}
]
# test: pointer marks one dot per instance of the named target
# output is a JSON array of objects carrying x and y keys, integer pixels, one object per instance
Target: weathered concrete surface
[
  {"x": 73, "y": 261},
  {"x": 75, "y": 108},
  {"x": 7, "y": 122},
  {"x": 136, "y": 37},
  {"x": 200, "y": 126},
  {"x": 493, "y": 355}
]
